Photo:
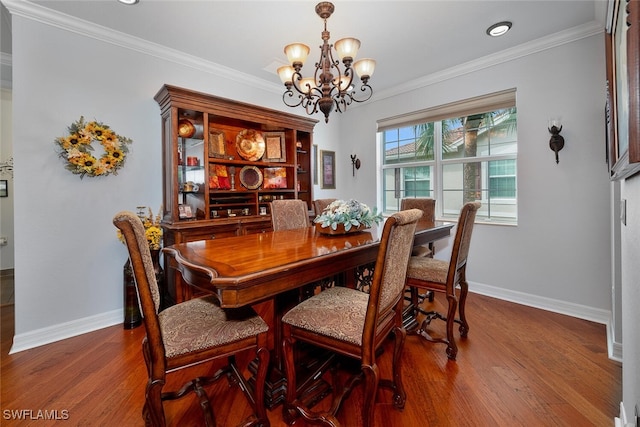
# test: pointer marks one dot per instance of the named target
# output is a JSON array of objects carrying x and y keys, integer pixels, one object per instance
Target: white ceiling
[{"x": 408, "y": 39}]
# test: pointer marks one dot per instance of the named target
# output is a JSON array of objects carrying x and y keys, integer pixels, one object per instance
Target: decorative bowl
[{"x": 339, "y": 229}]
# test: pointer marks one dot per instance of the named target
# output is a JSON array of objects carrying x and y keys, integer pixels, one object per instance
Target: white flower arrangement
[{"x": 349, "y": 213}]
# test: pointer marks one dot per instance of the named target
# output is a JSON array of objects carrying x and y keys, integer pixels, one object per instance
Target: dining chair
[
  {"x": 190, "y": 333},
  {"x": 320, "y": 204},
  {"x": 428, "y": 207},
  {"x": 354, "y": 324},
  {"x": 288, "y": 214},
  {"x": 446, "y": 276}
]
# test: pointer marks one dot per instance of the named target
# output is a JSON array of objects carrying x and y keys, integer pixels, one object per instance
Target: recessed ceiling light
[
  {"x": 499, "y": 29},
  {"x": 128, "y": 1}
]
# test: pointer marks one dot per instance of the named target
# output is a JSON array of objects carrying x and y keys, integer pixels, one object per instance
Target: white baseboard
[
  {"x": 623, "y": 419},
  {"x": 614, "y": 348},
  {"x": 562, "y": 307},
  {"x": 65, "y": 330}
]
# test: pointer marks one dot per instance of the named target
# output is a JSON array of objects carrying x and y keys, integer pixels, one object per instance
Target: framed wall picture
[
  {"x": 275, "y": 147},
  {"x": 623, "y": 90},
  {"x": 216, "y": 144},
  {"x": 4, "y": 188},
  {"x": 328, "y": 159}
]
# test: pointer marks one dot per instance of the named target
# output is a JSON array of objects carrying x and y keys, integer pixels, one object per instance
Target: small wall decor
[
  {"x": 328, "y": 159},
  {"x": 556, "y": 143},
  {"x": 355, "y": 163},
  {"x": 77, "y": 150}
]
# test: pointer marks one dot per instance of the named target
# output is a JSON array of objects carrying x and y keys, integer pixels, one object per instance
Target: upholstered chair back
[
  {"x": 148, "y": 293},
  {"x": 391, "y": 270},
  {"x": 320, "y": 204},
  {"x": 462, "y": 241},
  {"x": 425, "y": 204},
  {"x": 289, "y": 214}
]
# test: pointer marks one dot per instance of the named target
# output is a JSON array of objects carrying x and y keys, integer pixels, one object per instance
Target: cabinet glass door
[{"x": 191, "y": 177}]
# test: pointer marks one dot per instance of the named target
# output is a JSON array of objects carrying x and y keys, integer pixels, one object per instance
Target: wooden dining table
[{"x": 273, "y": 266}]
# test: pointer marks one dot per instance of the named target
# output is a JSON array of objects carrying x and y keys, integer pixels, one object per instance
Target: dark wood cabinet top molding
[{"x": 169, "y": 96}]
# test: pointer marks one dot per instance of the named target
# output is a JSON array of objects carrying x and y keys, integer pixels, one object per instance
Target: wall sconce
[
  {"x": 355, "y": 163},
  {"x": 7, "y": 167},
  {"x": 557, "y": 141}
]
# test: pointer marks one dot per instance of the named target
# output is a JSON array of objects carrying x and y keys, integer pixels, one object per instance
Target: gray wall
[{"x": 563, "y": 209}]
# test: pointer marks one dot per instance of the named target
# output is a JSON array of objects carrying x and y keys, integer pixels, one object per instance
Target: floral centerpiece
[
  {"x": 152, "y": 230},
  {"x": 347, "y": 214},
  {"x": 76, "y": 149}
]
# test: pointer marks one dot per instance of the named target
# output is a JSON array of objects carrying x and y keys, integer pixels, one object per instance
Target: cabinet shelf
[
  {"x": 229, "y": 205},
  {"x": 191, "y": 168},
  {"x": 258, "y": 163}
]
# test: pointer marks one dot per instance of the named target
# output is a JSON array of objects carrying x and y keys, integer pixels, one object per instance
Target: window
[{"x": 457, "y": 153}]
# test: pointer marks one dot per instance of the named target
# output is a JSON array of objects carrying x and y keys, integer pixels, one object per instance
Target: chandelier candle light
[{"x": 324, "y": 89}]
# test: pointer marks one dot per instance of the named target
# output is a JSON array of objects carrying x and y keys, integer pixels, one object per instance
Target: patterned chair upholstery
[
  {"x": 445, "y": 276},
  {"x": 354, "y": 324},
  {"x": 289, "y": 214},
  {"x": 193, "y": 332},
  {"x": 428, "y": 208},
  {"x": 320, "y": 204}
]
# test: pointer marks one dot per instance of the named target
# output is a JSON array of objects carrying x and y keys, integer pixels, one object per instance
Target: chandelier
[{"x": 330, "y": 85}]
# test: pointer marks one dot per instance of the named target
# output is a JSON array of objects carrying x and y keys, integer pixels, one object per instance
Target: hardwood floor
[{"x": 519, "y": 366}]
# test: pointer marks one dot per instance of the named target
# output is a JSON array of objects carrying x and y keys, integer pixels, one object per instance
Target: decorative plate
[
  {"x": 250, "y": 177},
  {"x": 250, "y": 145}
]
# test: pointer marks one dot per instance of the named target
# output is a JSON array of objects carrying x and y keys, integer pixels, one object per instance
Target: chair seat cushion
[
  {"x": 421, "y": 251},
  {"x": 428, "y": 269},
  {"x": 200, "y": 323},
  {"x": 337, "y": 312}
]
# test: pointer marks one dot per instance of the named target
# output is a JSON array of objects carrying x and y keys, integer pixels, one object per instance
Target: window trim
[
  {"x": 484, "y": 103},
  {"x": 489, "y": 102}
]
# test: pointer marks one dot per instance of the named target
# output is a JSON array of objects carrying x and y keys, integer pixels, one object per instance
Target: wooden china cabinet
[{"x": 223, "y": 162}]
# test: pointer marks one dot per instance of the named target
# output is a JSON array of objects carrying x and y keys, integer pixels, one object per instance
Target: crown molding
[
  {"x": 60, "y": 20},
  {"x": 65, "y": 22},
  {"x": 544, "y": 43}
]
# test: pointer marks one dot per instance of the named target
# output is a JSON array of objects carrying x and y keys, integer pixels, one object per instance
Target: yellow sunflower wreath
[{"x": 76, "y": 149}]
